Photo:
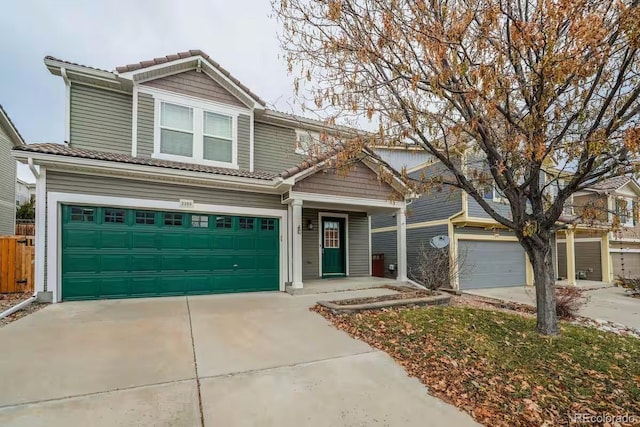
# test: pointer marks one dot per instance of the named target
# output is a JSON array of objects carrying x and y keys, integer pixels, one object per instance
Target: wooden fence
[
  {"x": 17, "y": 259},
  {"x": 25, "y": 229}
]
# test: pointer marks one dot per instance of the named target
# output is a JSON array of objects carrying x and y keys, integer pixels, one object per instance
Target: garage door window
[
  {"x": 173, "y": 219},
  {"x": 267, "y": 224},
  {"x": 199, "y": 221},
  {"x": 114, "y": 216},
  {"x": 223, "y": 222},
  {"x": 79, "y": 214},
  {"x": 246, "y": 223},
  {"x": 146, "y": 218}
]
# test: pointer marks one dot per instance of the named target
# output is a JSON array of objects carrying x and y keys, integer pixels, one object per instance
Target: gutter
[
  {"x": 18, "y": 307},
  {"x": 32, "y": 168}
]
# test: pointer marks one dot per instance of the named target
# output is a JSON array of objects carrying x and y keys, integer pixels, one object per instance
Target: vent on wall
[{"x": 286, "y": 196}]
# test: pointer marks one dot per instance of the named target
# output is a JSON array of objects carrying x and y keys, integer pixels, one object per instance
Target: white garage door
[{"x": 491, "y": 264}]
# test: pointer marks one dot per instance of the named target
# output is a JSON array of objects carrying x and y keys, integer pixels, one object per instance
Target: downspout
[
  {"x": 67, "y": 109},
  {"x": 32, "y": 168}
]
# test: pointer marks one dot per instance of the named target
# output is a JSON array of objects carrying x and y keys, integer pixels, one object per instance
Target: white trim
[
  {"x": 624, "y": 240},
  {"x": 55, "y": 199},
  {"x": 41, "y": 218},
  {"x": 198, "y": 111},
  {"x": 401, "y": 245},
  {"x": 134, "y": 122},
  {"x": 251, "y": 142},
  {"x": 67, "y": 105},
  {"x": 321, "y": 237},
  {"x": 370, "y": 250},
  {"x": 583, "y": 239},
  {"x": 325, "y": 198},
  {"x": 290, "y": 243},
  {"x": 624, "y": 250}
]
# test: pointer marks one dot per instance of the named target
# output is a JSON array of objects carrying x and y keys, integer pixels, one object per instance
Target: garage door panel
[
  {"x": 492, "y": 264},
  {"x": 142, "y": 255}
]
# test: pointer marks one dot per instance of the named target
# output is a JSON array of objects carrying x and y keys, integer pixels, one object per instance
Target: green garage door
[{"x": 124, "y": 253}]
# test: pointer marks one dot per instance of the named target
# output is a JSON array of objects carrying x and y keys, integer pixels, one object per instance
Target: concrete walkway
[
  {"x": 229, "y": 360},
  {"x": 606, "y": 302}
]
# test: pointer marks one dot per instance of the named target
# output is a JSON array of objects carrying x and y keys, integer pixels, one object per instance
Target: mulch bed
[
  {"x": 405, "y": 293},
  {"x": 9, "y": 300}
]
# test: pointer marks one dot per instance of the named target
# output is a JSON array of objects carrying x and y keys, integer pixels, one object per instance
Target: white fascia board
[
  {"x": 358, "y": 201},
  {"x": 5, "y": 122},
  {"x": 151, "y": 171},
  {"x": 54, "y": 67}
]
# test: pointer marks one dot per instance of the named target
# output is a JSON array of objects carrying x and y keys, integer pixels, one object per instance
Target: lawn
[{"x": 493, "y": 365}]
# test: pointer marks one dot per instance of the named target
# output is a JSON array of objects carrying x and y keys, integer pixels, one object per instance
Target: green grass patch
[{"x": 495, "y": 366}]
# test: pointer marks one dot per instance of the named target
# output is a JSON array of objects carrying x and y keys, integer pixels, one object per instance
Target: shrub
[
  {"x": 632, "y": 284},
  {"x": 435, "y": 268},
  {"x": 568, "y": 302}
]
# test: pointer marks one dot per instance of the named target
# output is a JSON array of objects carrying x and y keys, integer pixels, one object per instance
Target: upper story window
[
  {"x": 306, "y": 140},
  {"x": 625, "y": 207},
  {"x": 197, "y": 132}
]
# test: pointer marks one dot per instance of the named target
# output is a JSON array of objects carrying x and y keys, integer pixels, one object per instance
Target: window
[
  {"x": 173, "y": 219},
  {"x": 625, "y": 208},
  {"x": 488, "y": 193},
  {"x": 200, "y": 221},
  {"x": 195, "y": 131},
  {"x": 223, "y": 222},
  {"x": 147, "y": 218},
  {"x": 218, "y": 137},
  {"x": 82, "y": 214},
  {"x": 114, "y": 216},
  {"x": 267, "y": 224},
  {"x": 331, "y": 234},
  {"x": 305, "y": 140},
  {"x": 176, "y": 130},
  {"x": 246, "y": 223}
]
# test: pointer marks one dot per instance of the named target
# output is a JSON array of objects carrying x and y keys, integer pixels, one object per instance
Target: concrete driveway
[
  {"x": 605, "y": 303},
  {"x": 229, "y": 360}
]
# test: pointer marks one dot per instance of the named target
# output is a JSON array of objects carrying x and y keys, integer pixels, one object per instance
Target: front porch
[{"x": 321, "y": 286}]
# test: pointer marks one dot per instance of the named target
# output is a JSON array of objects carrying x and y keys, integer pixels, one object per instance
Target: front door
[{"x": 333, "y": 247}]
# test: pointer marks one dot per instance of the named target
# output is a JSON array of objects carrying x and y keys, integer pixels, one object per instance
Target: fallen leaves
[{"x": 488, "y": 363}]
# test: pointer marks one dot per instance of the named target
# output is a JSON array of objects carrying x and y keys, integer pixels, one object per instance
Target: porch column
[
  {"x": 296, "y": 231},
  {"x": 607, "y": 273},
  {"x": 571, "y": 258},
  {"x": 401, "y": 221}
]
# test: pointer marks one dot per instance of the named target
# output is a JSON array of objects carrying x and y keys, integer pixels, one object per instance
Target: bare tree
[
  {"x": 513, "y": 85},
  {"x": 435, "y": 268}
]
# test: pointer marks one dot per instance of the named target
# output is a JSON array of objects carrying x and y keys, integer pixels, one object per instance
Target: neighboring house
[
  {"x": 613, "y": 200},
  {"x": 9, "y": 138},
  {"x": 24, "y": 191},
  {"x": 177, "y": 179}
]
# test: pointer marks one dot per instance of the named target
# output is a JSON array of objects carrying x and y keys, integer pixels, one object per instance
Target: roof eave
[{"x": 8, "y": 125}]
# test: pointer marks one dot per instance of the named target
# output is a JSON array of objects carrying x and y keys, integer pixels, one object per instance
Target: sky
[{"x": 239, "y": 34}]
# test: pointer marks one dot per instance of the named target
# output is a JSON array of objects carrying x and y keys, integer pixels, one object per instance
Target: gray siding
[
  {"x": 145, "y": 124},
  {"x": 360, "y": 181},
  {"x": 399, "y": 158},
  {"x": 244, "y": 141},
  {"x": 483, "y": 232},
  {"x": 385, "y": 243},
  {"x": 435, "y": 204},
  {"x": 476, "y": 211},
  {"x": 118, "y": 187},
  {"x": 199, "y": 85},
  {"x": 275, "y": 148},
  {"x": 100, "y": 120},
  {"x": 7, "y": 186},
  {"x": 359, "y": 257}
]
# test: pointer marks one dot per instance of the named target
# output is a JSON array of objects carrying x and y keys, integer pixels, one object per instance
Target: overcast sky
[{"x": 238, "y": 34}]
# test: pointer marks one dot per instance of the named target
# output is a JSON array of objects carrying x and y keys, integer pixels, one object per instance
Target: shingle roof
[
  {"x": 181, "y": 55},
  {"x": 15, "y": 129},
  {"x": 64, "y": 150},
  {"x": 53, "y": 58},
  {"x": 611, "y": 183}
]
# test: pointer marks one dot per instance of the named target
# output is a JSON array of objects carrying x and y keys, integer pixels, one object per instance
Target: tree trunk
[{"x": 545, "y": 283}]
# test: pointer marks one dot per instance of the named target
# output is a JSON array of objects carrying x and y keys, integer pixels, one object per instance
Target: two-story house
[
  {"x": 177, "y": 179},
  {"x": 24, "y": 191},
  {"x": 9, "y": 138}
]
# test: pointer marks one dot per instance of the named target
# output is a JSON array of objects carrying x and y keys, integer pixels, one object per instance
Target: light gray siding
[
  {"x": 118, "y": 187},
  {"x": 198, "y": 85},
  {"x": 275, "y": 148},
  {"x": 145, "y": 125},
  {"x": 360, "y": 181},
  {"x": 484, "y": 232},
  {"x": 359, "y": 257},
  {"x": 7, "y": 186},
  {"x": 476, "y": 211},
  {"x": 399, "y": 158},
  {"x": 100, "y": 119},
  {"x": 244, "y": 141}
]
